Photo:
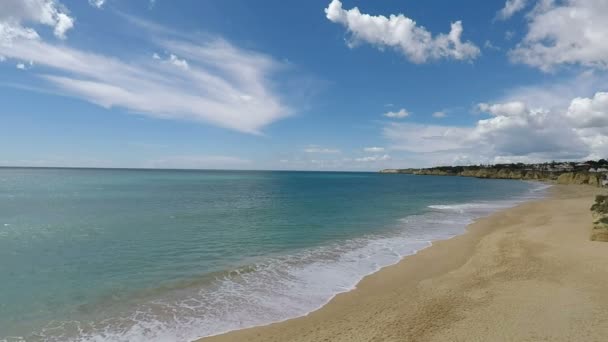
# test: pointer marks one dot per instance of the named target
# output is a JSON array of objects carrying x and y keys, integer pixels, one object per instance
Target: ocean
[{"x": 174, "y": 255}]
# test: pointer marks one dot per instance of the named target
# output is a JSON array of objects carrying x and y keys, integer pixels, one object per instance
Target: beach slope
[{"x": 528, "y": 273}]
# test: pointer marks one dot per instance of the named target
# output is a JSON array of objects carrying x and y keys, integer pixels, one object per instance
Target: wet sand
[{"x": 529, "y": 273}]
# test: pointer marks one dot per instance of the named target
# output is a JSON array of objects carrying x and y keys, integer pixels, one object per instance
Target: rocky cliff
[
  {"x": 594, "y": 179},
  {"x": 582, "y": 177},
  {"x": 599, "y": 210}
]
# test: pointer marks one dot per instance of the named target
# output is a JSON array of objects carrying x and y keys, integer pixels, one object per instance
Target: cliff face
[
  {"x": 429, "y": 172},
  {"x": 580, "y": 178},
  {"x": 509, "y": 174},
  {"x": 594, "y": 179},
  {"x": 600, "y": 219},
  {"x": 391, "y": 171}
]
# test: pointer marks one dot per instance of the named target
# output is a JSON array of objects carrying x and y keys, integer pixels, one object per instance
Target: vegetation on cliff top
[
  {"x": 554, "y": 166},
  {"x": 601, "y": 204},
  {"x": 591, "y": 172}
]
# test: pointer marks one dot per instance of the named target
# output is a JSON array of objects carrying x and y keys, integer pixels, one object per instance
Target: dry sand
[{"x": 529, "y": 273}]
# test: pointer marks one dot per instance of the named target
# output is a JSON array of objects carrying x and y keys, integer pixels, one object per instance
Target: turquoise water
[{"x": 162, "y": 255}]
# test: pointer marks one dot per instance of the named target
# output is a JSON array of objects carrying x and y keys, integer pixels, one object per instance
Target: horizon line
[{"x": 169, "y": 169}]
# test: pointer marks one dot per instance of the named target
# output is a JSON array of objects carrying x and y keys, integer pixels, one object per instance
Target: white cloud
[
  {"x": 64, "y": 23},
  {"x": 374, "y": 149},
  {"x": 565, "y": 32},
  {"x": 589, "y": 112},
  {"x": 20, "y": 66},
  {"x": 97, "y": 3},
  {"x": 402, "y": 113},
  {"x": 556, "y": 94},
  {"x": 16, "y": 13},
  {"x": 440, "y": 114},
  {"x": 370, "y": 163},
  {"x": 504, "y": 109},
  {"x": 488, "y": 45},
  {"x": 403, "y": 34},
  {"x": 180, "y": 63},
  {"x": 419, "y": 138},
  {"x": 384, "y": 157},
  {"x": 318, "y": 149},
  {"x": 514, "y": 132},
  {"x": 220, "y": 84},
  {"x": 511, "y": 7},
  {"x": 156, "y": 56}
]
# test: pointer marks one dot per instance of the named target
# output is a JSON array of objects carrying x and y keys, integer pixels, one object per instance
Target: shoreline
[{"x": 407, "y": 300}]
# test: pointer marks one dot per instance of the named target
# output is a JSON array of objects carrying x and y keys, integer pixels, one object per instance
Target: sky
[{"x": 301, "y": 85}]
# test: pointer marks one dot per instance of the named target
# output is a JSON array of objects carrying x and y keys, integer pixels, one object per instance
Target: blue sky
[{"x": 307, "y": 85}]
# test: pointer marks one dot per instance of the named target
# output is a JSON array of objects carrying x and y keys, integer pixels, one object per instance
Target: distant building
[
  {"x": 563, "y": 167},
  {"x": 582, "y": 166}
]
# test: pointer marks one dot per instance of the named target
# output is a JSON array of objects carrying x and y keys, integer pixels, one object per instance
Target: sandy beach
[{"x": 529, "y": 273}]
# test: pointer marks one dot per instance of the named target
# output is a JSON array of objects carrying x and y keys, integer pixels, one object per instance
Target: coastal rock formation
[
  {"x": 599, "y": 211},
  {"x": 428, "y": 172},
  {"x": 578, "y": 177}
]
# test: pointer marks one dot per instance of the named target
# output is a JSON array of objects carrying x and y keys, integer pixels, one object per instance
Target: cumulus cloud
[
  {"x": 565, "y": 32},
  {"x": 511, "y": 7},
  {"x": 556, "y": 95},
  {"x": 374, "y": 149},
  {"x": 403, "y": 34},
  {"x": 402, "y": 113},
  {"x": 514, "y": 131},
  {"x": 589, "y": 112},
  {"x": 16, "y": 14},
  {"x": 211, "y": 81}
]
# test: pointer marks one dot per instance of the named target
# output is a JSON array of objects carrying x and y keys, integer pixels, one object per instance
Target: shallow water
[{"x": 160, "y": 255}]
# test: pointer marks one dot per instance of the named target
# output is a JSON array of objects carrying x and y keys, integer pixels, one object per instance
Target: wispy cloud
[
  {"x": 400, "y": 114},
  {"x": 319, "y": 149},
  {"x": 369, "y": 159},
  {"x": 207, "y": 80},
  {"x": 511, "y": 7},
  {"x": 440, "y": 114},
  {"x": 374, "y": 149},
  {"x": 97, "y": 3}
]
